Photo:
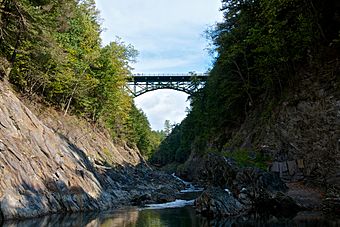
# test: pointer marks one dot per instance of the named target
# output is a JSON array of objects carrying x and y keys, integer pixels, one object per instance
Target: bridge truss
[{"x": 186, "y": 82}]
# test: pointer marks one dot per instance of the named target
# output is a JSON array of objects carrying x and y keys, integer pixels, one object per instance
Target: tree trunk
[
  {"x": 244, "y": 82},
  {"x": 70, "y": 99}
]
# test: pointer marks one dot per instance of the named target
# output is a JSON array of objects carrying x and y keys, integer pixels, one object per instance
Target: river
[
  {"x": 181, "y": 216},
  {"x": 179, "y": 213}
]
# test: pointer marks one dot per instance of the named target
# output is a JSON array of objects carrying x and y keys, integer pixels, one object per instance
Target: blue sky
[{"x": 169, "y": 36}]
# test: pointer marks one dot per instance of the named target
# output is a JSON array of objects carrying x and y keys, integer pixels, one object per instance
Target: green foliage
[
  {"x": 167, "y": 149},
  {"x": 53, "y": 49},
  {"x": 141, "y": 134},
  {"x": 260, "y": 47},
  {"x": 167, "y": 127},
  {"x": 172, "y": 149},
  {"x": 246, "y": 158}
]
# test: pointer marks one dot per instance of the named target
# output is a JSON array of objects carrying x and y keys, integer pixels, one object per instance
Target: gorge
[{"x": 259, "y": 145}]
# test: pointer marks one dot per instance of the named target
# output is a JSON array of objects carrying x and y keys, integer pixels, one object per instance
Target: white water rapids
[{"x": 189, "y": 188}]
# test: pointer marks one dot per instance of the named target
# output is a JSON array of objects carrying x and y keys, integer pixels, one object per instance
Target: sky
[{"x": 169, "y": 36}]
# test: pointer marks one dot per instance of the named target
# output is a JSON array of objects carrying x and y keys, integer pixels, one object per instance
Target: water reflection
[
  {"x": 184, "y": 216},
  {"x": 303, "y": 219}
]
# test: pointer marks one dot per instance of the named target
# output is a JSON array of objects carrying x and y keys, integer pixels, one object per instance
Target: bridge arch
[{"x": 140, "y": 84}]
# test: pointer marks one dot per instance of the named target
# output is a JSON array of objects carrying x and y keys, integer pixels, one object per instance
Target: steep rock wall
[
  {"x": 54, "y": 164},
  {"x": 303, "y": 133}
]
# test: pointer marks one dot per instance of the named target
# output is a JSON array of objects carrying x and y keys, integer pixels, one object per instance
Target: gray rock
[
  {"x": 53, "y": 163},
  {"x": 2, "y": 146},
  {"x": 219, "y": 170},
  {"x": 256, "y": 181},
  {"x": 331, "y": 205},
  {"x": 140, "y": 200},
  {"x": 216, "y": 202}
]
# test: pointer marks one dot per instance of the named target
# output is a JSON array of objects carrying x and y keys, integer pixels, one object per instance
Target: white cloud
[
  {"x": 132, "y": 17},
  {"x": 163, "y": 105},
  {"x": 154, "y": 65},
  {"x": 168, "y": 35}
]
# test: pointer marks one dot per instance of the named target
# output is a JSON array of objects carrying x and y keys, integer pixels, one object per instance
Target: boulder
[
  {"x": 216, "y": 202},
  {"x": 220, "y": 171}
]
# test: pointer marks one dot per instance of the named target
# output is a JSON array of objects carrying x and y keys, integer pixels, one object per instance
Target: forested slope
[
  {"x": 273, "y": 95},
  {"x": 52, "y": 50}
]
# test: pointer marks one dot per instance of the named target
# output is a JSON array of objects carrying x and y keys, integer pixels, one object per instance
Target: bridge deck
[{"x": 142, "y": 78}]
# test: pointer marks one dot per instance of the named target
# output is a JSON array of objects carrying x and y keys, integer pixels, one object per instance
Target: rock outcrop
[
  {"x": 300, "y": 133},
  {"x": 216, "y": 203},
  {"x": 233, "y": 190},
  {"x": 53, "y": 163},
  {"x": 255, "y": 185}
]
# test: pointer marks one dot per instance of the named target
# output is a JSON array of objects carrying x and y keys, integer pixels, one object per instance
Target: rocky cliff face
[
  {"x": 54, "y": 163},
  {"x": 301, "y": 133}
]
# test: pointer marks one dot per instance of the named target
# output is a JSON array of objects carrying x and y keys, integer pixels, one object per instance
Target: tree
[
  {"x": 53, "y": 49},
  {"x": 167, "y": 127},
  {"x": 260, "y": 46}
]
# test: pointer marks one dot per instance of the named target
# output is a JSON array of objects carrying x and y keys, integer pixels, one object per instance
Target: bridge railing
[
  {"x": 169, "y": 74},
  {"x": 140, "y": 83}
]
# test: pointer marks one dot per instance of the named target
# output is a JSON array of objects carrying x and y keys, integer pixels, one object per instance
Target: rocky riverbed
[{"x": 240, "y": 191}]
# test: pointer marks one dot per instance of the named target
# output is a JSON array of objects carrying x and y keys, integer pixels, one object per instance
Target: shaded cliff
[
  {"x": 58, "y": 163},
  {"x": 272, "y": 97},
  {"x": 297, "y": 138},
  {"x": 299, "y": 134}
]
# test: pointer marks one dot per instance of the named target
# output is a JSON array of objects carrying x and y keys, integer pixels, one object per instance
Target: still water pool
[{"x": 180, "y": 216}]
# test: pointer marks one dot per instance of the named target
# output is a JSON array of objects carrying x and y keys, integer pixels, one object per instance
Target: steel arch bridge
[{"x": 141, "y": 83}]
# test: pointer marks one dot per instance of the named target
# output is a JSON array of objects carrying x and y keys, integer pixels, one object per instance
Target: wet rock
[
  {"x": 210, "y": 169},
  {"x": 251, "y": 187},
  {"x": 263, "y": 191},
  {"x": 164, "y": 198},
  {"x": 141, "y": 200},
  {"x": 216, "y": 202},
  {"x": 245, "y": 198},
  {"x": 331, "y": 205},
  {"x": 307, "y": 197},
  {"x": 280, "y": 205},
  {"x": 165, "y": 194}
]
